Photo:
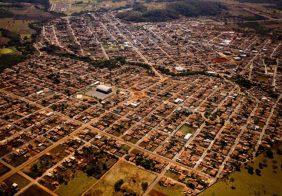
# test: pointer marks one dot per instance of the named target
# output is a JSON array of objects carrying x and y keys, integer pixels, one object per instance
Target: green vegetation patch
[
  {"x": 174, "y": 190},
  {"x": 185, "y": 128},
  {"x": 9, "y": 60},
  {"x": 6, "y": 51},
  {"x": 123, "y": 177},
  {"x": 79, "y": 184},
  {"x": 173, "y": 10},
  {"x": 260, "y": 177},
  {"x": 171, "y": 175}
]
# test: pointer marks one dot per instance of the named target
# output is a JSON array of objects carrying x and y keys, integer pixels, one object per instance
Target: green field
[
  {"x": 80, "y": 183},
  {"x": 244, "y": 183},
  {"x": 130, "y": 174},
  {"x": 185, "y": 128},
  {"x": 6, "y": 51}
]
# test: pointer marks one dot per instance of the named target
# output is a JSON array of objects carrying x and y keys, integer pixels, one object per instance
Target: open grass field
[
  {"x": 113, "y": 5},
  {"x": 176, "y": 190},
  {"x": 80, "y": 183},
  {"x": 6, "y": 51},
  {"x": 130, "y": 174},
  {"x": 18, "y": 26},
  {"x": 28, "y": 11},
  {"x": 34, "y": 190},
  {"x": 156, "y": 5},
  {"x": 171, "y": 175},
  {"x": 243, "y": 183},
  {"x": 75, "y": 6},
  {"x": 72, "y": 6},
  {"x": 22, "y": 16},
  {"x": 187, "y": 129}
]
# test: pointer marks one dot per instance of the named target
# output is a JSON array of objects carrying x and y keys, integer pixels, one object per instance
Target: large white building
[{"x": 104, "y": 89}]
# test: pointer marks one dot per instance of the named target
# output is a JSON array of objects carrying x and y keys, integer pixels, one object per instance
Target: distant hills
[
  {"x": 172, "y": 10},
  {"x": 42, "y": 2},
  {"x": 276, "y": 3}
]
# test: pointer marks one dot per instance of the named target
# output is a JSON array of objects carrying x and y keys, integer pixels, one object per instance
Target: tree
[
  {"x": 105, "y": 167},
  {"x": 250, "y": 170},
  {"x": 269, "y": 154},
  {"x": 34, "y": 168},
  {"x": 144, "y": 186},
  {"x": 191, "y": 185},
  {"x": 118, "y": 184},
  {"x": 258, "y": 172},
  {"x": 146, "y": 163}
]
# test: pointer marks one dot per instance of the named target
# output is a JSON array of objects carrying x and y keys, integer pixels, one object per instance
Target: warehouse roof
[{"x": 104, "y": 88}]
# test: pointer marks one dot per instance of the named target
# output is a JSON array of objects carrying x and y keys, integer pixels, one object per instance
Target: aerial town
[{"x": 180, "y": 104}]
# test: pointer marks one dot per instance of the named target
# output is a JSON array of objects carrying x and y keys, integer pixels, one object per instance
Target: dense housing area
[{"x": 106, "y": 106}]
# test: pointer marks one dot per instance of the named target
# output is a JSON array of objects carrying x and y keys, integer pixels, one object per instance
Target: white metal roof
[{"x": 104, "y": 87}]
